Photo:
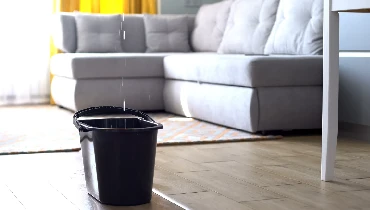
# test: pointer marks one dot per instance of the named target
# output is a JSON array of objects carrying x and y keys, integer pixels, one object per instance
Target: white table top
[{"x": 350, "y": 5}]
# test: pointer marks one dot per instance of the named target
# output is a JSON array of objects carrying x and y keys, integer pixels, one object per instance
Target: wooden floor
[{"x": 278, "y": 174}]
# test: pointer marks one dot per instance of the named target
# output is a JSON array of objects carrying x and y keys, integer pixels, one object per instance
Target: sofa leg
[
  {"x": 264, "y": 133},
  {"x": 271, "y": 132}
]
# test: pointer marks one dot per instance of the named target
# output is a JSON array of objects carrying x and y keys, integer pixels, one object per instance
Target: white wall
[
  {"x": 354, "y": 83},
  {"x": 178, "y": 6}
]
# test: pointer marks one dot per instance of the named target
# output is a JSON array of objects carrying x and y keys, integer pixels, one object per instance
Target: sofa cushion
[
  {"x": 64, "y": 31},
  {"x": 247, "y": 71},
  {"x": 107, "y": 65},
  {"x": 166, "y": 33},
  {"x": 298, "y": 28},
  {"x": 211, "y": 103},
  {"x": 134, "y": 29},
  {"x": 98, "y": 33},
  {"x": 210, "y": 24},
  {"x": 248, "y": 27},
  {"x": 65, "y": 37},
  {"x": 84, "y": 93}
]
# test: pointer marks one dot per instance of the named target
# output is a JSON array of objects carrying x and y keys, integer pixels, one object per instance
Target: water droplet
[
  {"x": 149, "y": 97},
  {"x": 124, "y": 104},
  {"x": 121, "y": 90},
  {"x": 124, "y": 35}
]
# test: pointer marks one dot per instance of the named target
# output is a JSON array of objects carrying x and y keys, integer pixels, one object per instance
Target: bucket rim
[
  {"x": 83, "y": 127},
  {"x": 156, "y": 126}
]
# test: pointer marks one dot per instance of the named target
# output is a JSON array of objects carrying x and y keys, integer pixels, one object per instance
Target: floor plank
[
  {"x": 8, "y": 199},
  {"x": 362, "y": 196},
  {"x": 199, "y": 156},
  {"x": 279, "y": 174},
  {"x": 209, "y": 201},
  {"x": 171, "y": 184},
  {"x": 54, "y": 181},
  {"x": 311, "y": 196},
  {"x": 37, "y": 194},
  {"x": 359, "y": 163},
  {"x": 176, "y": 164},
  {"x": 217, "y": 182},
  {"x": 278, "y": 204},
  {"x": 249, "y": 174},
  {"x": 363, "y": 182}
]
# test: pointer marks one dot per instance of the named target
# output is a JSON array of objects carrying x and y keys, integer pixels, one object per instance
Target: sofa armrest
[
  {"x": 285, "y": 70},
  {"x": 64, "y": 31}
]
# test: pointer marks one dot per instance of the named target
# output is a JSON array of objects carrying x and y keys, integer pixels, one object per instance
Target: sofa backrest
[
  {"x": 293, "y": 27},
  {"x": 298, "y": 28},
  {"x": 64, "y": 32},
  {"x": 248, "y": 27},
  {"x": 210, "y": 24}
]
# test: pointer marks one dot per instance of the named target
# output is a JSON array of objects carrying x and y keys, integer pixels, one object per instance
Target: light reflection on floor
[{"x": 180, "y": 119}]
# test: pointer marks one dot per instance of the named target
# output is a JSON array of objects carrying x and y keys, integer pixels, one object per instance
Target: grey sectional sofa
[{"x": 254, "y": 65}]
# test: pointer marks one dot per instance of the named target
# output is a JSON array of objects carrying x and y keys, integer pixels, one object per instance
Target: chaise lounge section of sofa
[{"x": 252, "y": 65}]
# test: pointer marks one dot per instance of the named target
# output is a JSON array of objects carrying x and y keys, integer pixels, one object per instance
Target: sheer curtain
[{"x": 24, "y": 51}]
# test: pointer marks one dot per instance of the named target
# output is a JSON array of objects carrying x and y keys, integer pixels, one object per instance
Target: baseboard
[{"x": 354, "y": 131}]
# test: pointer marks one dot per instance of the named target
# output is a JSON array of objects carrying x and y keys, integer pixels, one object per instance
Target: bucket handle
[{"x": 106, "y": 110}]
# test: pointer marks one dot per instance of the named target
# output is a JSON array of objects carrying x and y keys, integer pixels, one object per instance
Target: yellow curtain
[
  {"x": 119, "y": 6},
  {"x": 143, "y": 6},
  {"x": 103, "y": 7}
]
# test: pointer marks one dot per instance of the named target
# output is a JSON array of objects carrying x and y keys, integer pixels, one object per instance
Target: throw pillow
[
  {"x": 210, "y": 24},
  {"x": 166, "y": 33},
  {"x": 249, "y": 26},
  {"x": 98, "y": 33}
]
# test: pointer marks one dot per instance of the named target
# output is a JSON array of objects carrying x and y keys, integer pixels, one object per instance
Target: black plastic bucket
[{"x": 118, "y": 154}]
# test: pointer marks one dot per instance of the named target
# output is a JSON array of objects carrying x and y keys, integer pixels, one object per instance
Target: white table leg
[{"x": 330, "y": 91}]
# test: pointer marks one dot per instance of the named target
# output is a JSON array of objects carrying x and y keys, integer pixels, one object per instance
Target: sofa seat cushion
[
  {"x": 247, "y": 71},
  {"x": 108, "y": 65}
]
